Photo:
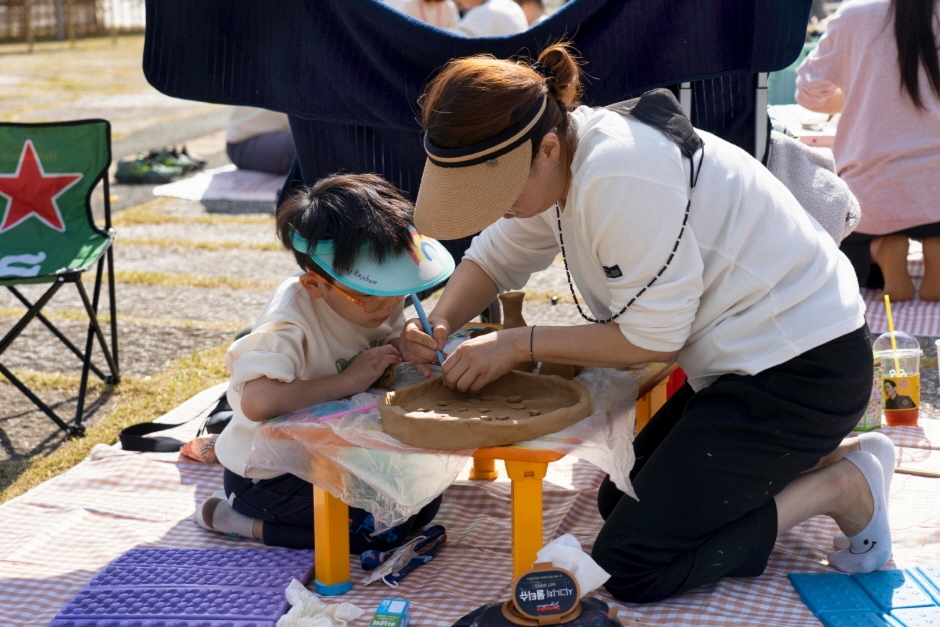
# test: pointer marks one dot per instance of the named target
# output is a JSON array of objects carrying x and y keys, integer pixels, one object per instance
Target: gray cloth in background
[
  {"x": 811, "y": 177},
  {"x": 268, "y": 152}
]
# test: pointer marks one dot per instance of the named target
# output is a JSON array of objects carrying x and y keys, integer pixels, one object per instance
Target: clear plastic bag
[
  {"x": 605, "y": 438},
  {"x": 353, "y": 459}
]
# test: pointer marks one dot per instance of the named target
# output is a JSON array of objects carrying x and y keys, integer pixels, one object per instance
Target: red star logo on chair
[{"x": 31, "y": 192}]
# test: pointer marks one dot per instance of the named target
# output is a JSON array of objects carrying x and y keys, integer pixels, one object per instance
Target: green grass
[
  {"x": 167, "y": 242},
  {"x": 162, "y": 279},
  {"x": 149, "y": 213},
  {"x": 131, "y": 402}
]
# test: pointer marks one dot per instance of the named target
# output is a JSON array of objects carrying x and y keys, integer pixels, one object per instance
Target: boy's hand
[
  {"x": 369, "y": 366},
  {"x": 418, "y": 347}
]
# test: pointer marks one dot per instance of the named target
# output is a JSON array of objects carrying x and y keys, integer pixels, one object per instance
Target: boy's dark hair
[{"x": 353, "y": 210}]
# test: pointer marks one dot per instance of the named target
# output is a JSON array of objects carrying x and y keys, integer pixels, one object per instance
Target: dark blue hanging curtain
[{"x": 349, "y": 72}]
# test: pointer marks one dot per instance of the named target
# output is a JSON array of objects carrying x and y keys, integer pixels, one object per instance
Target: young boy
[{"x": 328, "y": 332}]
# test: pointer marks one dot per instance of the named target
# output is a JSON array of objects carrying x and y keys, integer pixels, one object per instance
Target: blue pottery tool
[{"x": 427, "y": 325}]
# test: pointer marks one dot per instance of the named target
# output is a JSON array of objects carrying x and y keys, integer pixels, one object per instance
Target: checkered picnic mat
[
  {"x": 917, "y": 317},
  {"x": 58, "y": 535}
]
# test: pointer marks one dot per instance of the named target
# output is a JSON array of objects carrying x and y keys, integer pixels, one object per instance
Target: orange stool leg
[
  {"x": 483, "y": 470},
  {"x": 643, "y": 413},
  {"x": 331, "y": 544},
  {"x": 526, "y": 480}
]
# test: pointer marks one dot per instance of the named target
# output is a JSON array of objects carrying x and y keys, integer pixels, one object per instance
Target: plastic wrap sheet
[
  {"x": 353, "y": 459},
  {"x": 605, "y": 438}
]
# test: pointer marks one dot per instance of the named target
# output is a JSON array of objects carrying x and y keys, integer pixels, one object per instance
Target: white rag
[{"x": 307, "y": 610}]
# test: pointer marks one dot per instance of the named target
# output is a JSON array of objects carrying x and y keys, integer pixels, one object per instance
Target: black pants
[
  {"x": 285, "y": 504},
  {"x": 710, "y": 463}
]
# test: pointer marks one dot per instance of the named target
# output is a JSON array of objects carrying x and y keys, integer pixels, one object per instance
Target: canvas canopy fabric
[
  {"x": 47, "y": 174},
  {"x": 349, "y": 72}
]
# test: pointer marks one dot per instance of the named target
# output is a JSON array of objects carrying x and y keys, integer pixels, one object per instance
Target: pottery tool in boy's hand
[{"x": 427, "y": 325}]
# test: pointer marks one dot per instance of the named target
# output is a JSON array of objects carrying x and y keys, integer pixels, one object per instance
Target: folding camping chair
[{"x": 48, "y": 235}]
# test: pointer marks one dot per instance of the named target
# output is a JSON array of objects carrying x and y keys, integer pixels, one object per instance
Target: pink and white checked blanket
[{"x": 58, "y": 535}]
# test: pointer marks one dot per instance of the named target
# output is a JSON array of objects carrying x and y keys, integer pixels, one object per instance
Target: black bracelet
[{"x": 531, "y": 342}]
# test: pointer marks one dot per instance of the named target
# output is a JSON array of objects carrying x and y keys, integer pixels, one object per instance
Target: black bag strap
[
  {"x": 132, "y": 438},
  {"x": 660, "y": 109}
]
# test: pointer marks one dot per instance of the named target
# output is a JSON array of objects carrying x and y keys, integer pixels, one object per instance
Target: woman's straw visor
[{"x": 464, "y": 190}]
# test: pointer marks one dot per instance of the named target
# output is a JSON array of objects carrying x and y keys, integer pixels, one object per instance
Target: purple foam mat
[
  {"x": 160, "y": 622},
  {"x": 189, "y": 588},
  {"x": 217, "y": 558},
  {"x": 140, "y": 576},
  {"x": 215, "y": 603}
]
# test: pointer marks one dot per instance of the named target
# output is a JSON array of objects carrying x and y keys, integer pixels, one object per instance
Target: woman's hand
[
  {"x": 369, "y": 365},
  {"x": 484, "y": 359},
  {"x": 418, "y": 347}
]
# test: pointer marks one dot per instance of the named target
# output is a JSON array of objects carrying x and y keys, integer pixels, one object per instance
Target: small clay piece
[
  {"x": 475, "y": 401},
  {"x": 387, "y": 379},
  {"x": 421, "y": 409},
  {"x": 486, "y": 398},
  {"x": 461, "y": 409},
  {"x": 517, "y": 405},
  {"x": 557, "y": 404},
  {"x": 515, "y": 398},
  {"x": 512, "y": 319},
  {"x": 442, "y": 403}
]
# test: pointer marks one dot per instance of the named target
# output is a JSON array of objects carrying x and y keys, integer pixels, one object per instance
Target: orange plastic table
[{"x": 526, "y": 469}]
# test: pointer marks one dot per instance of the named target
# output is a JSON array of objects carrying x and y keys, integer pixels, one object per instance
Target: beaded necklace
[{"x": 675, "y": 247}]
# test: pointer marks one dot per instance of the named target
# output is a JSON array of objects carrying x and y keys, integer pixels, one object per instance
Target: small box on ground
[{"x": 392, "y": 613}]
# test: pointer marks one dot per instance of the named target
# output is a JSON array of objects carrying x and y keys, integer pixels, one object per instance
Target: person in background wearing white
[
  {"x": 440, "y": 13},
  {"x": 534, "y": 11},
  {"x": 878, "y": 65},
  {"x": 490, "y": 18}
]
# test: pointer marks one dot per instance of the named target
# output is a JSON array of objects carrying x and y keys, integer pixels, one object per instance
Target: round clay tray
[{"x": 432, "y": 416}]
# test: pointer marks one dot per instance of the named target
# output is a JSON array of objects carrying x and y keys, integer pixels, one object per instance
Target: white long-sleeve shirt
[{"x": 755, "y": 280}]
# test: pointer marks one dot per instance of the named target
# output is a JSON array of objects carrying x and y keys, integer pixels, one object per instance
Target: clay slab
[{"x": 430, "y": 415}]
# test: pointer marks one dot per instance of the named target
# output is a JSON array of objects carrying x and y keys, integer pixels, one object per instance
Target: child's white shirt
[{"x": 296, "y": 336}]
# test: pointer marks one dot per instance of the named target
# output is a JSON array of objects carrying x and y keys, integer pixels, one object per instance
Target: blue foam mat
[
  {"x": 188, "y": 588},
  {"x": 884, "y": 598}
]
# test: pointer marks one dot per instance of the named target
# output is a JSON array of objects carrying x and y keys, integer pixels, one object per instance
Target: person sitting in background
[
  {"x": 878, "y": 65},
  {"x": 258, "y": 139},
  {"x": 534, "y": 11},
  {"x": 490, "y": 18},
  {"x": 328, "y": 332},
  {"x": 440, "y": 13}
]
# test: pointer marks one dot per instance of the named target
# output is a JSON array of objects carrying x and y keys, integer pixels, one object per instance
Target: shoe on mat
[
  {"x": 171, "y": 158},
  {"x": 199, "y": 161},
  {"x": 145, "y": 170}
]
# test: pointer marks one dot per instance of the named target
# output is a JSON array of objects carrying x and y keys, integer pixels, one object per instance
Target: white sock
[
  {"x": 215, "y": 514},
  {"x": 870, "y": 549},
  {"x": 881, "y": 446}
]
